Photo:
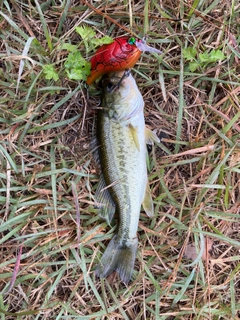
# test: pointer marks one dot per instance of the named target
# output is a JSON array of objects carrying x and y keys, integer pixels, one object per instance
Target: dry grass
[{"x": 47, "y": 170}]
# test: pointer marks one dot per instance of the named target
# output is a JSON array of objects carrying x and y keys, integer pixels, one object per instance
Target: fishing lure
[{"x": 119, "y": 55}]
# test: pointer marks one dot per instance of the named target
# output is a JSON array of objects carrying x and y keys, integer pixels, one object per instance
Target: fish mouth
[{"x": 112, "y": 81}]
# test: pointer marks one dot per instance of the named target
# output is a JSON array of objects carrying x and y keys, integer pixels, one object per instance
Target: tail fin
[{"x": 118, "y": 257}]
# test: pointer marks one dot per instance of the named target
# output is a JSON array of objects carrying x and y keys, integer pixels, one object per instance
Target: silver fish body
[{"x": 121, "y": 136}]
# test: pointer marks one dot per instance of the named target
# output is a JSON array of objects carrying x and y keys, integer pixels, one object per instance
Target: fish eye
[
  {"x": 131, "y": 40},
  {"x": 110, "y": 86}
]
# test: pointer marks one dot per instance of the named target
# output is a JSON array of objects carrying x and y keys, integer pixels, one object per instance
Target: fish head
[{"x": 121, "y": 96}]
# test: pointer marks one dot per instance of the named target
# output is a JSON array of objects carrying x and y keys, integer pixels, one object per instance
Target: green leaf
[
  {"x": 189, "y": 53},
  {"x": 89, "y": 38},
  {"x": 50, "y": 72},
  {"x": 99, "y": 42},
  {"x": 69, "y": 47},
  {"x": 204, "y": 57},
  {"x": 77, "y": 67},
  {"x": 193, "y": 66},
  {"x": 216, "y": 55},
  {"x": 106, "y": 40},
  {"x": 86, "y": 32}
]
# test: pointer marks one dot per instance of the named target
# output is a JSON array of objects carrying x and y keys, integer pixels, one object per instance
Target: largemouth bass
[{"x": 123, "y": 186}]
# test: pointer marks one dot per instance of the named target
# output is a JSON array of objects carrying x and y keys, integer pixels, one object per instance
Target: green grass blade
[
  {"x": 44, "y": 25},
  {"x": 184, "y": 287},
  {"x": 181, "y": 105}
]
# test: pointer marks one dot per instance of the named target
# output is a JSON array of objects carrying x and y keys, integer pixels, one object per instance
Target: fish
[
  {"x": 120, "y": 55},
  {"x": 123, "y": 186}
]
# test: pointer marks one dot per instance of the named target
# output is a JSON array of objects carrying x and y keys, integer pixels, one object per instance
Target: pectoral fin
[
  {"x": 104, "y": 202},
  {"x": 151, "y": 136},
  {"x": 135, "y": 136},
  {"x": 147, "y": 202}
]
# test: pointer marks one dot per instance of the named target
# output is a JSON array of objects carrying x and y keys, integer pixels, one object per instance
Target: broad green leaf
[
  {"x": 77, "y": 67},
  {"x": 99, "y": 42},
  {"x": 189, "y": 53},
  {"x": 89, "y": 38},
  {"x": 50, "y": 72},
  {"x": 204, "y": 57},
  {"x": 193, "y": 66},
  {"x": 69, "y": 47},
  {"x": 85, "y": 32},
  {"x": 216, "y": 55}
]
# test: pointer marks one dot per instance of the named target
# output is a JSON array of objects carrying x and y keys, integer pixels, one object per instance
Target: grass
[{"x": 51, "y": 236}]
